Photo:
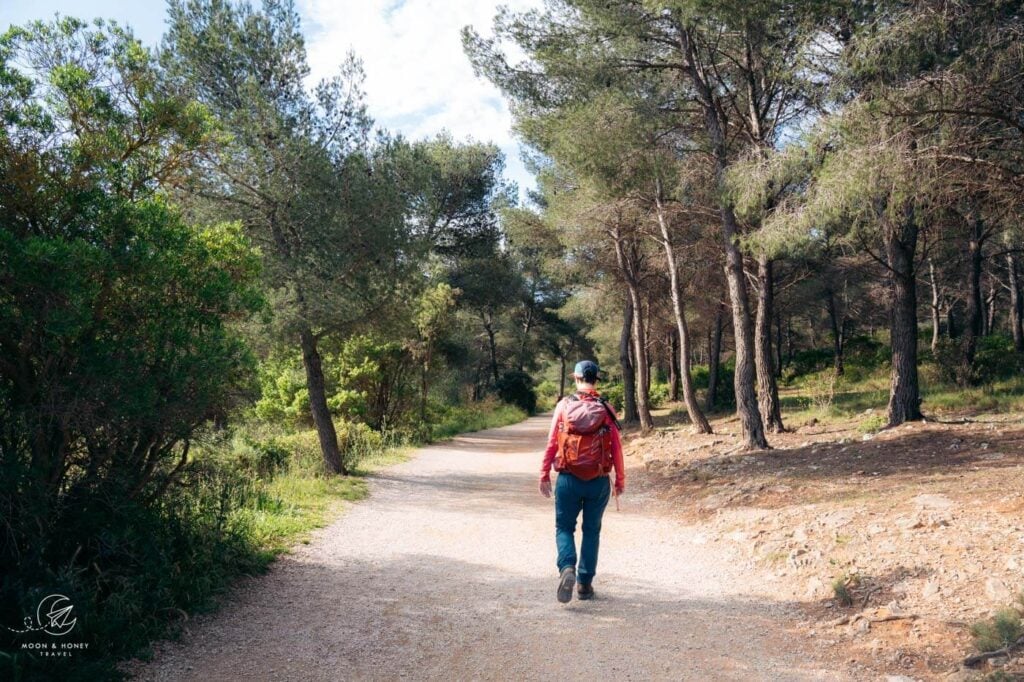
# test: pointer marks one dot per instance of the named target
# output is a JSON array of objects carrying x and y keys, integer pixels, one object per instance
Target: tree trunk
[
  {"x": 1016, "y": 304},
  {"x": 837, "y": 331},
  {"x": 936, "y": 305},
  {"x": 492, "y": 345},
  {"x": 790, "y": 346},
  {"x": 318, "y": 403},
  {"x": 561, "y": 379},
  {"x": 904, "y": 394},
  {"x": 767, "y": 389},
  {"x": 642, "y": 369},
  {"x": 745, "y": 373},
  {"x": 423, "y": 393},
  {"x": 951, "y": 330},
  {"x": 626, "y": 362},
  {"x": 714, "y": 358},
  {"x": 975, "y": 313},
  {"x": 778, "y": 345},
  {"x": 700, "y": 422},
  {"x": 990, "y": 302},
  {"x": 745, "y": 376},
  {"x": 673, "y": 366},
  {"x": 642, "y": 375}
]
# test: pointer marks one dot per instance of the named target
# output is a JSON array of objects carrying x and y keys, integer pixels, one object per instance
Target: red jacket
[{"x": 552, "y": 449}]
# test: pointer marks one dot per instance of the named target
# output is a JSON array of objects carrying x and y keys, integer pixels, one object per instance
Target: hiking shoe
[
  {"x": 585, "y": 592},
  {"x": 566, "y": 581}
]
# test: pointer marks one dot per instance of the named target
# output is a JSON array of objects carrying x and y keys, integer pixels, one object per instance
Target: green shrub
[
  {"x": 700, "y": 374},
  {"x": 516, "y": 388},
  {"x": 658, "y": 394},
  {"x": 872, "y": 423},
  {"x": 451, "y": 420},
  {"x": 355, "y": 440},
  {"x": 613, "y": 393},
  {"x": 1003, "y": 629}
]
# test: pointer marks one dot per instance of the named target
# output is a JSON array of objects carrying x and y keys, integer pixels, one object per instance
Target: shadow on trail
[
  {"x": 441, "y": 618},
  {"x": 459, "y": 491}
]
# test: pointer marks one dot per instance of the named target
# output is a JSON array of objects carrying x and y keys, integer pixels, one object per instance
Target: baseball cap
[{"x": 586, "y": 370}]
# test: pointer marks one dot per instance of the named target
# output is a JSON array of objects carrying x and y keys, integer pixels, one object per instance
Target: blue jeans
[{"x": 573, "y": 495}]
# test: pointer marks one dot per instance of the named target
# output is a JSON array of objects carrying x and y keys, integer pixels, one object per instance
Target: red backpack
[{"x": 585, "y": 437}]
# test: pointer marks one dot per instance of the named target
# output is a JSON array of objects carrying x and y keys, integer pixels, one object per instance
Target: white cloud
[{"x": 418, "y": 80}]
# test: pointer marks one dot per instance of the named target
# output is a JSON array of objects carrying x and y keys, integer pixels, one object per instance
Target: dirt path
[{"x": 447, "y": 572}]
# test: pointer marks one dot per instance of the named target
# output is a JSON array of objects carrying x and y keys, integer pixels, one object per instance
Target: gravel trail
[{"x": 447, "y": 572}]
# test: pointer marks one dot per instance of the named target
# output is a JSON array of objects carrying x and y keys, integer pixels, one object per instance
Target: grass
[
  {"x": 295, "y": 505},
  {"x": 248, "y": 496},
  {"x": 808, "y": 390},
  {"x": 841, "y": 588},
  {"x": 474, "y": 417},
  {"x": 299, "y": 500}
]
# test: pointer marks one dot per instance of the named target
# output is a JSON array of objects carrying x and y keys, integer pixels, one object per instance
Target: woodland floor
[
  {"x": 924, "y": 521},
  {"x": 447, "y": 572}
]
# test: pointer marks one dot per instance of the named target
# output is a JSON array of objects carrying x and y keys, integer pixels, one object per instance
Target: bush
[
  {"x": 1003, "y": 629},
  {"x": 451, "y": 420},
  {"x": 547, "y": 394},
  {"x": 872, "y": 424},
  {"x": 658, "y": 394},
  {"x": 516, "y": 388},
  {"x": 355, "y": 440},
  {"x": 614, "y": 394}
]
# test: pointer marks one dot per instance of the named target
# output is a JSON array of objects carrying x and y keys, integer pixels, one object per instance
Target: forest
[{"x": 226, "y": 295}]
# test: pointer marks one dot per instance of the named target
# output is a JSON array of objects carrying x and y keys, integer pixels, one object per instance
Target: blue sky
[{"x": 418, "y": 80}]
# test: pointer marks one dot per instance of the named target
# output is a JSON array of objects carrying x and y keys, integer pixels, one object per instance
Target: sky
[{"x": 418, "y": 81}]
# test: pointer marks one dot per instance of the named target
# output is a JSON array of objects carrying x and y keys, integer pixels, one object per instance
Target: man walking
[{"x": 584, "y": 446}]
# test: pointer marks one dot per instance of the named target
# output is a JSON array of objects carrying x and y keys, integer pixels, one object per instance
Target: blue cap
[{"x": 586, "y": 370}]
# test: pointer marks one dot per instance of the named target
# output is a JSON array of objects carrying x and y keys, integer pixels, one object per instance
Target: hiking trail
[{"x": 447, "y": 571}]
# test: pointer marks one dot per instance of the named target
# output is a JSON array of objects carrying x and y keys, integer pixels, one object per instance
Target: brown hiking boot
[
  {"x": 585, "y": 591},
  {"x": 566, "y": 581}
]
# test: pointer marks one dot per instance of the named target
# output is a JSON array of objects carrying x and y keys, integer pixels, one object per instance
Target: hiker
[{"x": 584, "y": 447}]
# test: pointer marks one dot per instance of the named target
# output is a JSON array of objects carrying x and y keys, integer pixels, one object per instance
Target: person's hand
[
  {"x": 619, "y": 489},
  {"x": 545, "y": 487}
]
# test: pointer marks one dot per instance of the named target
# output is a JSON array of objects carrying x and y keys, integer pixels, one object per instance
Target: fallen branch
[
  {"x": 891, "y": 616},
  {"x": 868, "y": 595},
  {"x": 850, "y": 620},
  {"x": 974, "y": 660}
]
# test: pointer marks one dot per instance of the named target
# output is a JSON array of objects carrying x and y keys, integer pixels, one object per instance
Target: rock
[
  {"x": 997, "y": 591},
  {"x": 930, "y": 590},
  {"x": 816, "y": 589},
  {"x": 998, "y": 661},
  {"x": 910, "y": 522},
  {"x": 933, "y": 501},
  {"x": 899, "y": 678},
  {"x": 867, "y": 436}
]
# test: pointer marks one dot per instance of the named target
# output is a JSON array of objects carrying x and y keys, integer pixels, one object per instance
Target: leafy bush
[
  {"x": 658, "y": 394},
  {"x": 451, "y": 420},
  {"x": 547, "y": 394},
  {"x": 516, "y": 388},
  {"x": 1003, "y": 629},
  {"x": 355, "y": 440},
  {"x": 614, "y": 394},
  {"x": 127, "y": 344},
  {"x": 367, "y": 380},
  {"x": 700, "y": 374}
]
